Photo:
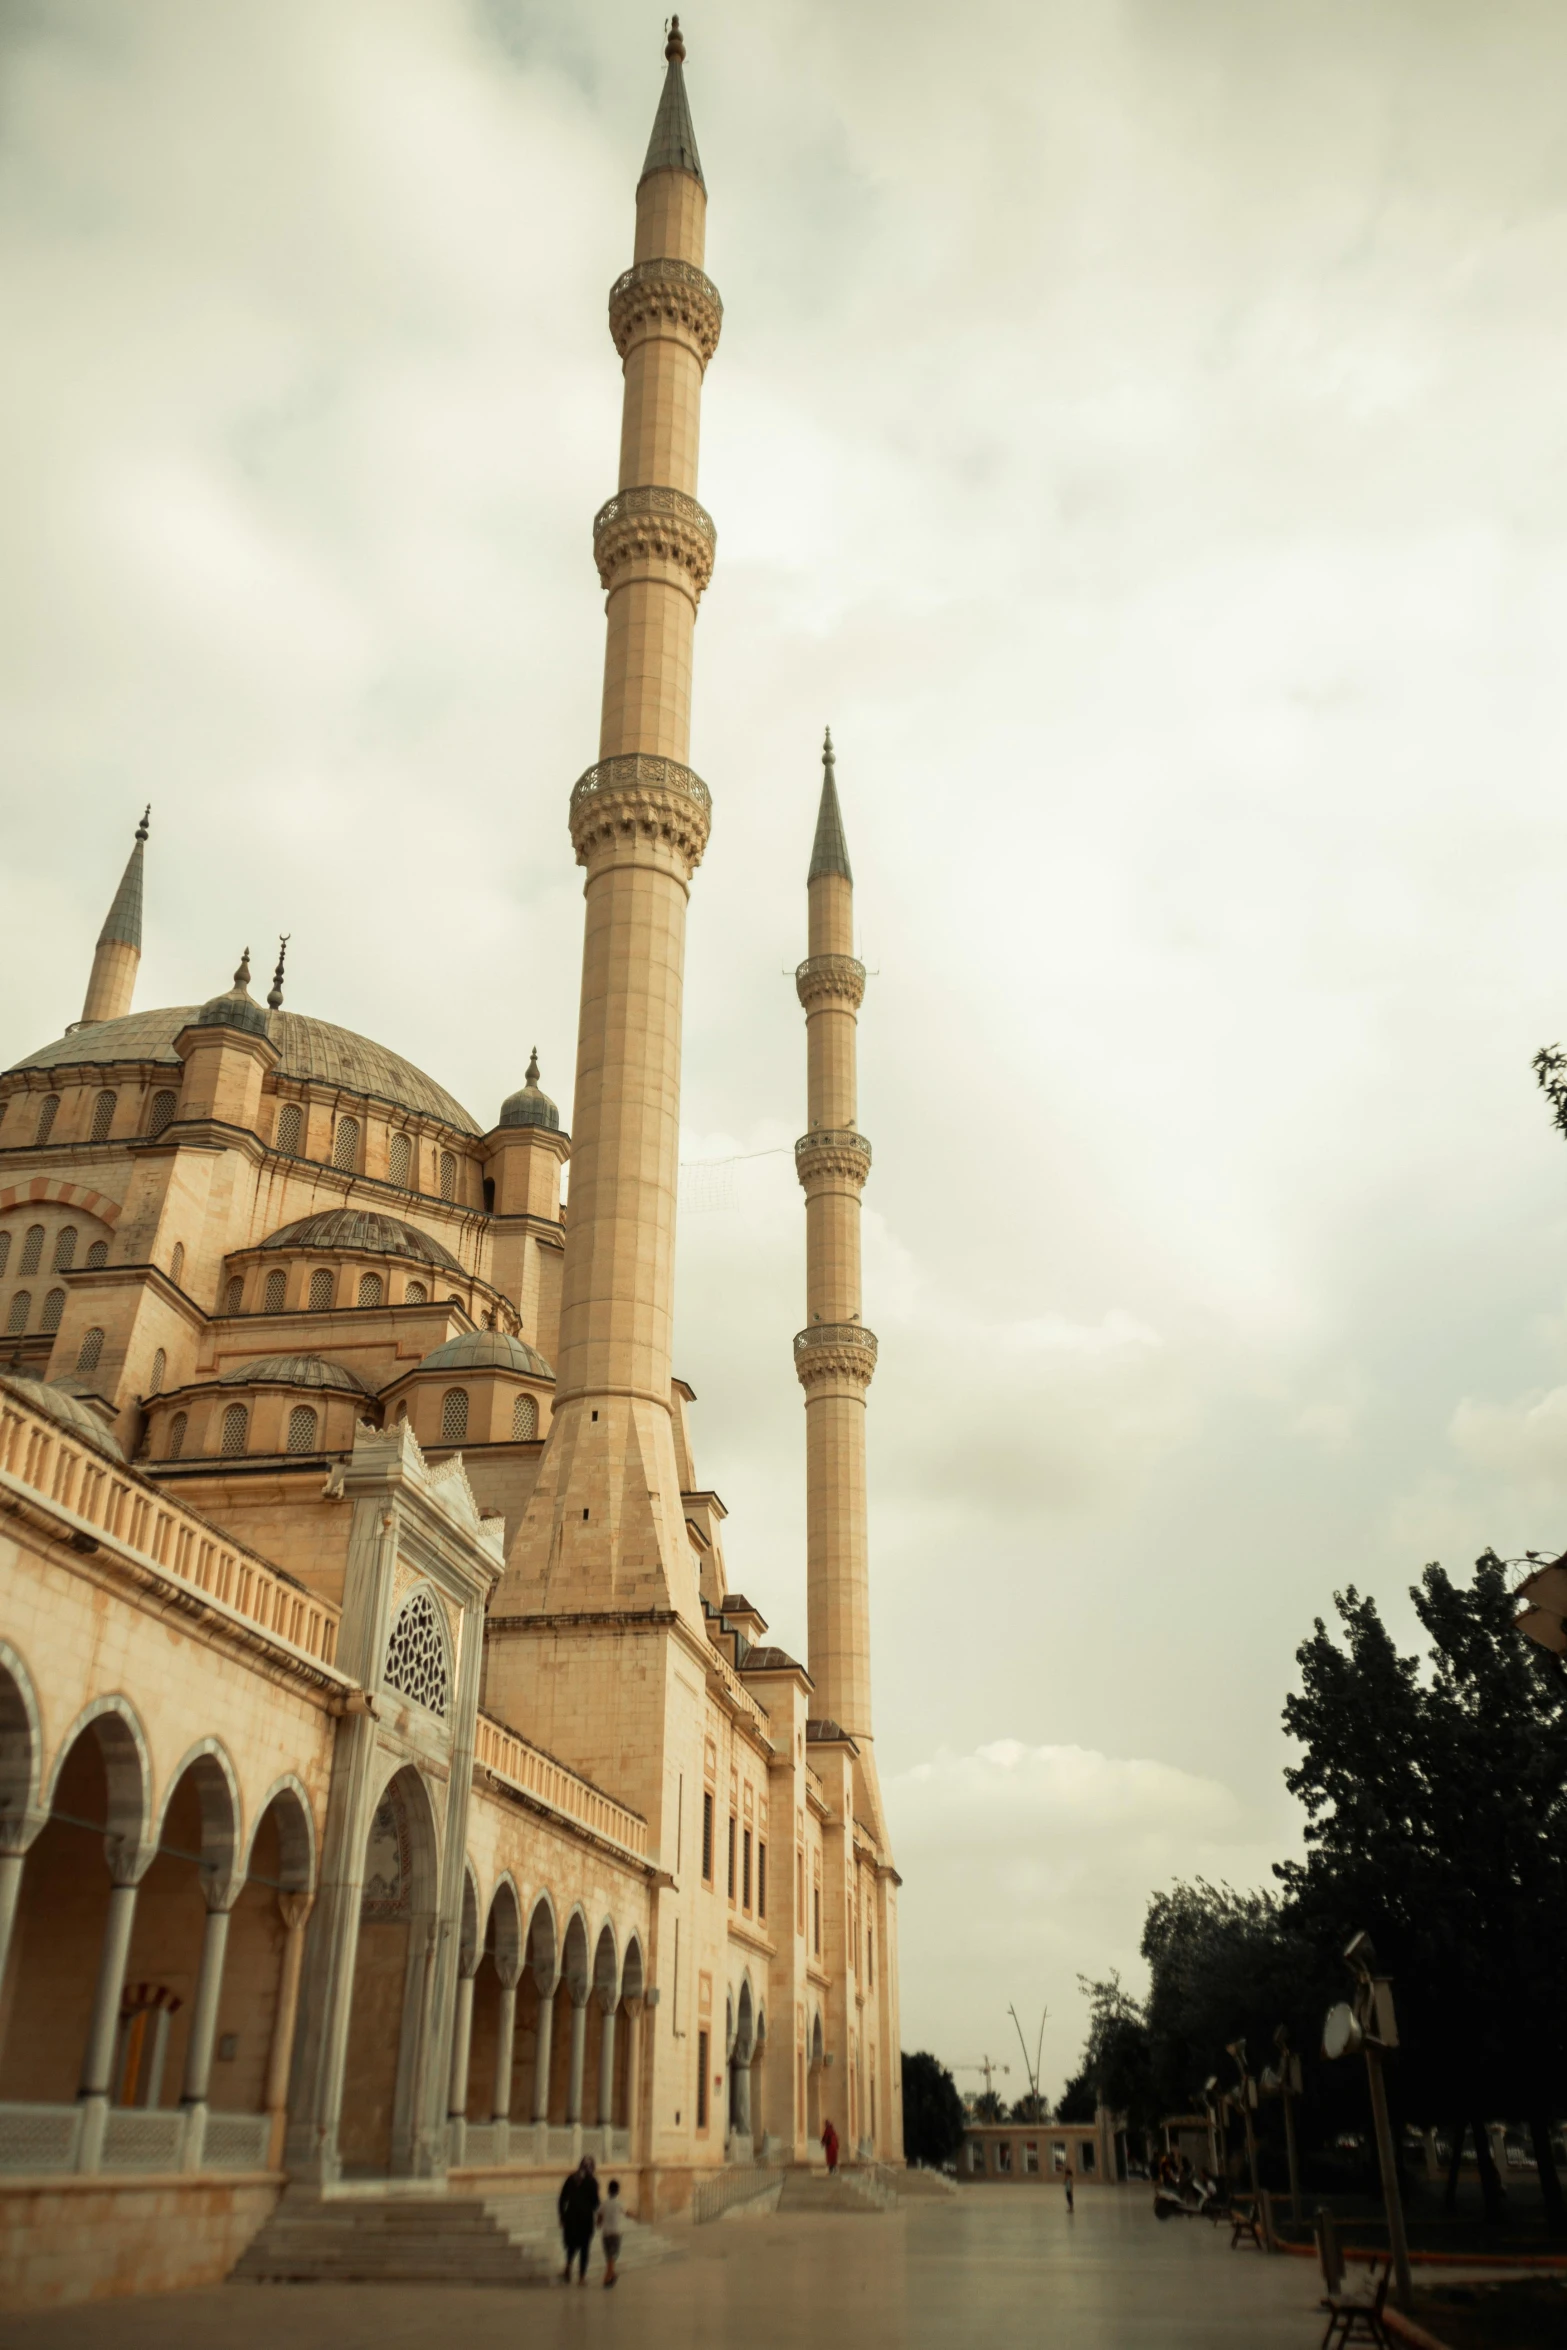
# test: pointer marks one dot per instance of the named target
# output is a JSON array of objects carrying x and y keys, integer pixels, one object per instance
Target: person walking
[
  {"x": 830, "y": 2148},
  {"x": 1070, "y": 2205},
  {"x": 578, "y": 2208},
  {"x": 609, "y": 2228}
]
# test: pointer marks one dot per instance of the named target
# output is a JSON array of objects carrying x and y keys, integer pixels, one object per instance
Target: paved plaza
[{"x": 987, "y": 2266}]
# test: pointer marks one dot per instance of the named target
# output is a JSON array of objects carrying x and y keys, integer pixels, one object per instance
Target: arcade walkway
[{"x": 990, "y": 2265}]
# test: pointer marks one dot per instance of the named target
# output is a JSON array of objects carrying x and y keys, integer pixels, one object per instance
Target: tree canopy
[{"x": 932, "y": 2111}]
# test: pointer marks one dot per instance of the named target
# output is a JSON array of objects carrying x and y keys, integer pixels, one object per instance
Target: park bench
[
  {"x": 1357, "y": 2317},
  {"x": 1246, "y": 2222}
]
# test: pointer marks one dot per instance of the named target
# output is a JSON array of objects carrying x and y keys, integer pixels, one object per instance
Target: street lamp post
[
  {"x": 1369, "y": 2023},
  {"x": 1284, "y": 2080}
]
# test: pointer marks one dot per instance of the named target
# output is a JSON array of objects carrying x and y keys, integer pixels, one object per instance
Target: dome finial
[
  {"x": 275, "y": 993},
  {"x": 827, "y": 749},
  {"x": 145, "y": 825},
  {"x": 242, "y": 975},
  {"x": 533, "y": 1067},
  {"x": 675, "y": 47}
]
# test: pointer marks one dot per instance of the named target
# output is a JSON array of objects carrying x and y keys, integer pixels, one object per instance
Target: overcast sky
[{"x": 1139, "y": 429}]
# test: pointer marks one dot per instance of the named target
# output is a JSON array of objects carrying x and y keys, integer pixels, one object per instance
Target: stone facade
[{"x": 391, "y": 1782}]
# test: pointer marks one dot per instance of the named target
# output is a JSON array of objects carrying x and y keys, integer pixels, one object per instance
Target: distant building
[{"x": 1041, "y": 2152}]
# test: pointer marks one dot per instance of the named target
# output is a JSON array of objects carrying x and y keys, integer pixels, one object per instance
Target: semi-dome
[
  {"x": 294, "y": 1371},
  {"x": 312, "y": 1050},
  {"x": 368, "y": 1234},
  {"x": 530, "y": 1107},
  {"x": 78, "y": 1418},
  {"x": 487, "y": 1350}
]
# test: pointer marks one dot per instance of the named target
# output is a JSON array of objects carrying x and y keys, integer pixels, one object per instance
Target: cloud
[{"x": 1524, "y": 1441}]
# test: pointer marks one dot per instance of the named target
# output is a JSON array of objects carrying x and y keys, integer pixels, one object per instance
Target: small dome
[
  {"x": 78, "y": 1418},
  {"x": 361, "y": 1230},
  {"x": 531, "y": 1107},
  {"x": 237, "y": 1008},
  {"x": 487, "y": 1350},
  {"x": 294, "y": 1371}
]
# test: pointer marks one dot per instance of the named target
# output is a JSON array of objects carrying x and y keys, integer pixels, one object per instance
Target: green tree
[
  {"x": 932, "y": 2111},
  {"x": 1115, "y": 2068}
]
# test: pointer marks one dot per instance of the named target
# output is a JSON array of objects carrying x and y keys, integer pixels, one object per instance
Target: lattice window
[
  {"x": 54, "y": 1307},
  {"x": 401, "y": 1160},
  {"x": 64, "y": 1249},
  {"x": 415, "y": 1294},
  {"x": 161, "y": 1113},
  {"x": 89, "y": 1351},
  {"x": 177, "y": 1263},
  {"x": 290, "y": 1129},
  {"x": 301, "y": 1429},
  {"x": 160, "y": 1366},
  {"x": 32, "y": 1249},
  {"x": 371, "y": 1289},
  {"x": 448, "y": 1176},
  {"x": 274, "y": 1293},
  {"x": 524, "y": 1419},
  {"x": 236, "y": 1423},
  {"x": 345, "y": 1145},
  {"x": 454, "y": 1415},
  {"x": 5, "y": 1250},
  {"x": 97, "y": 1255},
  {"x": 48, "y": 1111},
  {"x": 320, "y": 1290},
  {"x": 233, "y": 1296},
  {"x": 416, "y": 1655},
  {"x": 21, "y": 1307},
  {"x": 177, "y": 1428},
  {"x": 102, "y": 1117}
]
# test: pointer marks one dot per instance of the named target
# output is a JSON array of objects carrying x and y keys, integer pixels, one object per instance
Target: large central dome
[{"x": 311, "y": 1049}]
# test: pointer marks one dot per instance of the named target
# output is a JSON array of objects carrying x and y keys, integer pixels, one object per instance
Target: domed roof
[
  {"x": 371, "y": 1235},
  {"x": 487, "y": 1350},
  {"x": 530, "y": 1107},
  {"x": 294, "y": 1371},
  {"x": 312, "y": 1050},
  {"x": 236, "y": 1007},
  {"x": 71, "y": 1413}
]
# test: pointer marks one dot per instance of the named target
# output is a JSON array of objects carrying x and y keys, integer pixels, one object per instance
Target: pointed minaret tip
[
  {"x": 532, "y": 1077},
  {"x": 122, "y": 925},
  {"x": 275, "y": 992},
  {"x": 673, "y": 144},
  {"x": 830, "y": 850}
]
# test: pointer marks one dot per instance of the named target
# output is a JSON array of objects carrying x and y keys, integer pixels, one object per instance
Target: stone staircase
[
  {"x": 385, "y": 2240},
  {"x": 853, "y": 2195}
]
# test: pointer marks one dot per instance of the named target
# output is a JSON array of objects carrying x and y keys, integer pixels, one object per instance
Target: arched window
[
  {"x": 32, "y": 1249},
  {"x": 161, "y": 1111},
  {"x": 524, "y": 1419},
  {"x": 345, "y": 1145},
  {"x": 416, "y": 1654},
  {"x": 398, "y": 1165},
  {"x": 236, "y": 1420},
  {"x": 302, "y": 1429},
  {"x": 177, "y": 1263},
  {"x": 371, "y": 1289},
  {"x": 177, "y": 1428},
  {"x": 454, "y": 1415},
  {"x": 64, "y": 1249},
  {"x": 97, "y": 1255},
  {"x": 489, "y": 1195},
  {"x": 5, "y": 1250},
  {"x": 160, "y": 1365},
  {"x": 234, "y": 1294},
  {"x": 21, "y": 1307},
  {"x": 415, "y": 1294},
  {"x": 448, "y": 1176},
  {"x": 320, "y": 1289},
  {"x": 102, "y": 1117},
  {"x": 290, "y": 1129},
  {"x": 88, "y": 1352},
  {"x": 54, "y": 1307},
  {"x": 273, "y": 1294},
  {"x": 48, "y": 1110}
]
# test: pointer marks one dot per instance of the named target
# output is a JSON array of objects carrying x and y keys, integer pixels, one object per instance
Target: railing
[
  {"x": 137, "y": 2139},
  {"x": 236, "y": 2141},
  {"x": 144, "y": 2138},
  {"x": 712, "y": 2196},
  {"x": 872, "y": 2182},
  {"x": 108, "y": 1499},
  {"x": 40, "y": 2137},
  {"x": 635, "y": 767},
  {"x": 517, "y": 1764}
]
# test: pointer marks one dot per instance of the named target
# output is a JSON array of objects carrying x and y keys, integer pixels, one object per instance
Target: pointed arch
[
  {"x": 21, "y": 1749},
  {"x": 208, "y": 1765},
  {"x": 127, "y": 1766},
  {"x": 469, "y": 1943},
  {"x": 296, "y": 1829},
  {"x": 574, "y": 1950},
  {"x": 633, "y": 1973},
  {"x": 503, "y": 1927},
  {"x": 542, "y": 1943},
  {"x": 606, "y": 1968}
]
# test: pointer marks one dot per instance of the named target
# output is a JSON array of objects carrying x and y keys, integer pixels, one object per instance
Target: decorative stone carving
[
  {"x": 637, "y": 793},
  {"x": 655, "y": 296},
  {"x": 654, "y": 523},
  {"x": 821, "y": 977},
  {"x": 832, "y": 1151},
  {"x": 835, "y": 1350},
  {"x": 416, "y": 1663}
]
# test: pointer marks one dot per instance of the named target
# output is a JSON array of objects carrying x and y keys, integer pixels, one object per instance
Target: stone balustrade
[{"x": 517, "y": 1764}]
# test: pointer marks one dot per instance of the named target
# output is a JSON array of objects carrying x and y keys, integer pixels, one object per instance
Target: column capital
[
  {"x": 823, "y": 978},
  {"x": 835, "y": 1350},
  {"x": 666, "y": 297},
  {"x": 637, "y": 796}
]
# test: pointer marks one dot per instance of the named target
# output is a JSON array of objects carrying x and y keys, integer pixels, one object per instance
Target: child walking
[{"x": 609, "y": 2228}]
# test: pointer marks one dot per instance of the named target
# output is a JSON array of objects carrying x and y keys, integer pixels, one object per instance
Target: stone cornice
[
  {"x": 639, "y": 794},
  {"x": 832, "y": 1151},
  {"x": 822, "y": 977},
  {"x": 651, "y": 524},
  {"x": 835, "y": 1350},
  {"x": 655, "y": 296}
]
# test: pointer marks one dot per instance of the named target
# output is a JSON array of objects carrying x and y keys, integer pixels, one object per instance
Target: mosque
[{"x": 395, "y": 1796}]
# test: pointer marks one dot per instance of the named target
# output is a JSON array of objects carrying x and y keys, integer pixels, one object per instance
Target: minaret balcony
[
  {"x": 666, "y": 297},
  {"x": 828, "y": 978},
  {"x": 648, "y": 526},
  {"x": 637, "y": 793},
  {"x": 829, "y": 1151},
  {"x": 834, "y": 1351}
]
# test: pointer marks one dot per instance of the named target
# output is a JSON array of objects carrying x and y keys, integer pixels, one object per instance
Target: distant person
[
  {"x": 1067, "y": 2175},
  {"x": 609, "y": 2228},
  {"x": 830, "y": 2147},
  {"x": 578, "y": 2208}
]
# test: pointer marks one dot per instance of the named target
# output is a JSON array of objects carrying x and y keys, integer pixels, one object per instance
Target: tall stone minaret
[
  {"x": 117, "y": 956},
  {"x": 835, "y": 1355},
  {"x": 604, "y": 1529}
]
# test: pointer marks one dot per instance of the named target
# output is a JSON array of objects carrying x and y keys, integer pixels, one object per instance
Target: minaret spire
[
  {"x": 835, "y": 1355},
  {"x": 673, "y": 144},
  {"x": 118, "y": 952}
]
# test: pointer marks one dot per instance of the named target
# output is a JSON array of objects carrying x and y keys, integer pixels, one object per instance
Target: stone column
[
  {"x": 743, "y": 2099},
  {"x": 543, "y": 2047},
  {"x": 98, "y": 2060},
  {"x": 462, "y": 2039},
  {"x": 634, "y": 2078},
  {"x": 505, "y": 2045},
  {"x": 203, "y": 2025},
  {"x": 579, "y": 2049},
  {"x": 294, "y": 1909},
  {"x": 607, "y": 2073}
]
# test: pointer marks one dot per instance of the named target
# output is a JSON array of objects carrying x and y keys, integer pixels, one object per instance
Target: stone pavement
[{"x": 988, "y": 2265}]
